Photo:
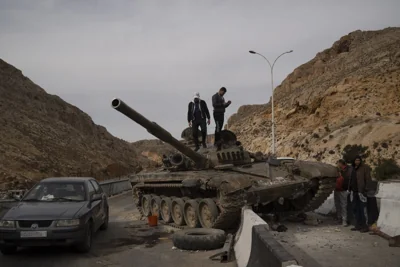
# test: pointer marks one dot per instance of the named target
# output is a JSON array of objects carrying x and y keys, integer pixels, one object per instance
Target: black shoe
[
  {"x": 355, "y": 229},
  {"x": 364, "y": 230},
  {"x": 196, "y": 148}
]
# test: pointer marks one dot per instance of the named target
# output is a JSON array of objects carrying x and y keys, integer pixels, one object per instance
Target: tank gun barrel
[{"x": 159, "y": 132}]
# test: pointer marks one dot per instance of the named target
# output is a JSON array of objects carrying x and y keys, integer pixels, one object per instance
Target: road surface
[
  {"x": 129, "y": 242},
  {"x": 126, "y": 243}
]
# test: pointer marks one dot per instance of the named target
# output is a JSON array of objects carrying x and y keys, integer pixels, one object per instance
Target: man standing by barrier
[
  {"x": 197, "y": 115},
  {"x": 360, "y": 181},
  {"x": 219, "y": 106},
  {"x": 340, "y": 194}
]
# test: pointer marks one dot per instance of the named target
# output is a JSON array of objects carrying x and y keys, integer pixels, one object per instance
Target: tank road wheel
[
  {"x": 155, "y": 205},
  {"x": 146, "y": 200},
  {"x": 208, "y": 212},
  {"x": 177, "y": 211},
  {"x": 165, "y": 209},
  {"x": 191, "y": 213}
]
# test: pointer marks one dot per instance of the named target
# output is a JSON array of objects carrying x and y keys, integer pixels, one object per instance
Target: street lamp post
[{"x": 272, "y": 93}]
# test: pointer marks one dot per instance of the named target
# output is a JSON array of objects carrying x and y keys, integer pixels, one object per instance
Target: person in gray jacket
[{"x": 219, "y": 106}]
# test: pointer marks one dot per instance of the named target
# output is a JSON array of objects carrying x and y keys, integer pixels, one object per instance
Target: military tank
[{"x": 208, "y": 188}]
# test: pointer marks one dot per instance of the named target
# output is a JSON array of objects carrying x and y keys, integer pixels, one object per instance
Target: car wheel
[
  {"x": 104, "y": 226},
  {"x": 86, "y": 244},
  {"x": 8, "y": 250}
]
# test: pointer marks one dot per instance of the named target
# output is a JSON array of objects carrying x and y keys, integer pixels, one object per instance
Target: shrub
[
  {"x": 386, "y": 169},
  {"x": 351, "y": 151}
]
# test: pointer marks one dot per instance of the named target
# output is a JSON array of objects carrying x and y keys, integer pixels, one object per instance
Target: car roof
[{"x": 66, "y": 179}]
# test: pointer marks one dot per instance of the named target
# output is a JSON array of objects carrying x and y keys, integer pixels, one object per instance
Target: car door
[
  {"x": 104, "y": 203},
  {"x": 95, "y": 206}
]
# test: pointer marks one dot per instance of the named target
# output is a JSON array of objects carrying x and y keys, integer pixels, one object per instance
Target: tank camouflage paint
[{"x": 208, "y": 188}]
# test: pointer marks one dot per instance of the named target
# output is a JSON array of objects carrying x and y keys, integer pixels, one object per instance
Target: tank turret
[{"x": 162, "y": 134}]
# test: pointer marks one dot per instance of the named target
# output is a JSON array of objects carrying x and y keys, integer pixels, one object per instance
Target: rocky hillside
[
  {"x": 348, "y": 94},
  {"x": 153, "y": 149},
  {"x": 42, "y": 135}
]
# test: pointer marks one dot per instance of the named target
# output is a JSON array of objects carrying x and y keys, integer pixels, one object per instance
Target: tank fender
[
  {"x": 191, "y": 182},
  {"x": 230, "y": 184},
  {"x": 311, "y": 169}
]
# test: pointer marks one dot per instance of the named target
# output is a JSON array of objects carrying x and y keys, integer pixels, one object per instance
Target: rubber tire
[
  {"x": 148, "y": 197},
  {"x": 8, "y": 250},
  {"x": 199, "y": 239},
  {"x": 168, "y": 201},
  {"x": 104, "y": 226},
  {"x": 157, "y": 199},
  {"x": 86, "y": 245},
  {"x": 212, "y": 207},
  {"x": 181, "y": 203},
  {"x": 195, "y": 205}
]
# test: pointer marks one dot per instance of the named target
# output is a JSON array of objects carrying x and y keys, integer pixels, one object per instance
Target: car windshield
[{"x": 57, "y": 191}]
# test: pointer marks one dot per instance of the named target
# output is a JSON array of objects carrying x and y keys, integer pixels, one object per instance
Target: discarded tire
[{"x": 199, "y": 239}]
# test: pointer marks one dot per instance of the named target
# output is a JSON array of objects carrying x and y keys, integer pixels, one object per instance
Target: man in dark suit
[{"x": 198, "y": 115}]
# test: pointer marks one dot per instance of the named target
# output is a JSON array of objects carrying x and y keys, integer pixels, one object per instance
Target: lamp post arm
[
  {"x": 278, "y": 58},
  {"x": 265, "y": 59}
]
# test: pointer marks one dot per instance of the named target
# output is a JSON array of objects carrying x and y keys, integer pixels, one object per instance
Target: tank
[{"x": 208, "y": 188}]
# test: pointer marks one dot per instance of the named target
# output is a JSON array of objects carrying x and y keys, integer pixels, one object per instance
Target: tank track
[{"x": 230, "y": 206}]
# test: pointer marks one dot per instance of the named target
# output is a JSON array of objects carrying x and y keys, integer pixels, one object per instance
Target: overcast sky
[{"x": 155, "y": 54}]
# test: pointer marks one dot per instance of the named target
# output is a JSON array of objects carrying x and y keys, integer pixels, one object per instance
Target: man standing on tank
[
  {"x": 219, "y": 106},
  {"x": 197, "y": 115}
]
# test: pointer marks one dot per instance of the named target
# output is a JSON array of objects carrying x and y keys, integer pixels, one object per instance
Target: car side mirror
[{"x": 96, "y": 197}]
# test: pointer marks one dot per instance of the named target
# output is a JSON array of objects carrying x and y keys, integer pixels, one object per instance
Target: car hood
[{"x": 44, "y": 210}]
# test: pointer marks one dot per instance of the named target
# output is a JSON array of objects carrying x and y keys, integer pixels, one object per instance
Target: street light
[{"x": 272, "y": 97}]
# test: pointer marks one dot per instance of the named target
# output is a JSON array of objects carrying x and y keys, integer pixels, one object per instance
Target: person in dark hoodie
[
  {"x": 359, "y": 184},
  {"x": 219, "y": 106},
  {"x": 196, "y": 116}
]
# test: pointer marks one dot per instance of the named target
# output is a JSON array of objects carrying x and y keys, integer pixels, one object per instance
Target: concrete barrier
[
  {"x": 389, "y": 214},
  {"x": 255, "y": 246},
  {"x": 115, "y": 186}
]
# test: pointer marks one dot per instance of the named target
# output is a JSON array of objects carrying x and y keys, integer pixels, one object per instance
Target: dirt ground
[{"x": 331, "y": 245}]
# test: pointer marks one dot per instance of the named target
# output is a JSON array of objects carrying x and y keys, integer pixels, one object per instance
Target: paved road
[{"x": 127, "y": 242}]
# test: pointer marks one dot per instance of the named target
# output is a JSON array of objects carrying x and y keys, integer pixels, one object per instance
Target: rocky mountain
[
  {"x": 347, "y": 95},
  {"x": 42, "y": 135},
  {"x": 153, "y": 149}
]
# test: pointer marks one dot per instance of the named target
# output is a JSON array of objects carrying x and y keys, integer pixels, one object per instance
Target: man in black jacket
[
  {"x": 197, "y": 114},
  {"x": 359, "y": 185},
  {"x": 219, "y": 105}
]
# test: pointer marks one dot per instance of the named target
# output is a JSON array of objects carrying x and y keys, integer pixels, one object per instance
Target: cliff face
[
  {"x": 348, "y": 94},
  {"x": 42, "y": 135}
]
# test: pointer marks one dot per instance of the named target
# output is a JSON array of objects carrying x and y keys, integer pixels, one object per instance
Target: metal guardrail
[
  {"x": 116, "y": 186},
  {"x": 110, "y": 187}
]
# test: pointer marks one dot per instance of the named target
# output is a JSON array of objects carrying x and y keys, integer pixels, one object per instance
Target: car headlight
[
  {"x": 7, "y": 224},
  {"x": 64, "y": 223}
]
